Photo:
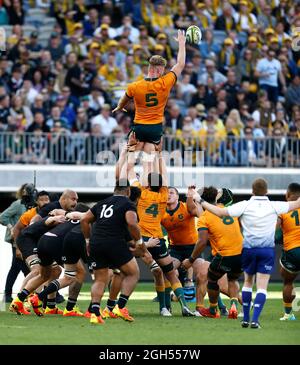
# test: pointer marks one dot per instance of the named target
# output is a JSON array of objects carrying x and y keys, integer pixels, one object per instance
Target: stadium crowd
[{"x": 65, "y": 64}]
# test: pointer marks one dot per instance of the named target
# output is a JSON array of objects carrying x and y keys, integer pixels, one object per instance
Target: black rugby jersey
[{"x": 110, "y": 218}]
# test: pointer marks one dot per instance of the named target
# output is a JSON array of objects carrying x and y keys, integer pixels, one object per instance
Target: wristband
[
  {"x": 139, "y": 242},
  {"x": 191, "y": 260},
  {"x": 87, "y": 241}
]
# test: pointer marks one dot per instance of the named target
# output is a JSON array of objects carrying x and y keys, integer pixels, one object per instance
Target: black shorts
[
  {"x": 148, "y": 132},
  {"x": 290, "y": 260},
  {"x": 49, "y": 251},
  {"x": 160, "y": 251},
  {"x": 27, "y": 245},
  {"x": 181, "y": 252},
  {"x": 74, "y": 248},
  {"x": 230, "y": 265},
  {"x": 109, "y": 253}
]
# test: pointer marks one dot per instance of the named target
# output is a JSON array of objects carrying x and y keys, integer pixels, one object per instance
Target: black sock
[
  {"x": 23, "y": 295},
  {"x": 90, "y": 307},
  {"x": 111, "y": 304},
  {"x": 122, "y": 301},
  {"x": 51, "y": 288},
  {"x": 51, "y": 303},
  {"x": 96, "y": 309},
  {"x": 71, "y": 304}
]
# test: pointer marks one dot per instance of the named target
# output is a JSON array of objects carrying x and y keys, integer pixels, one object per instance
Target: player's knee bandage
[
  {"x": 70, "y": 274},
  {"x": 213, "y": 285},
  {"x": 33, "y": 262},
  {"x": 167, "y": 268},
  {"x": 153, "y": 266}
]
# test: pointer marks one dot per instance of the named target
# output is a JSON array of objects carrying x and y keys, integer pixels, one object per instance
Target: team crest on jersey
[{"x": 180, "y": 217}]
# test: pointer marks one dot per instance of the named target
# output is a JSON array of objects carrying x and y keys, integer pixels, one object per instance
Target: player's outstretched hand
[
  {"x": 191, "y": 191},
  {"x": 118, "y": 108},
  {"x": 153, "y": 242},
  {"x": 180, "y": 36}
]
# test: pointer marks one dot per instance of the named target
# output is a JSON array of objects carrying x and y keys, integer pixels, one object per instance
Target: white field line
[{"x": 150, "y": 295}]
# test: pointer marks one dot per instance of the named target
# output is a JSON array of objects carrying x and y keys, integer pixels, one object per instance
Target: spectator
[
  {"x": 55, "y": 46},
  {"x": 201, "y": 17},
  {"x": 182, "y": 19},
  {"x": 244, "y": 19},
  {"x": 15, "y": 12},
  {"x": 161, "y": 20},
  {"x": 185, "y": 89},
  {"x": 106, "y": 122},
  {"x": 225, "y": 21},
  {"x": 292, "y": 96},
  {"x": 4, "y": 20},
  {"x": 275, "y": 148},
  {"x": 67, "y": 112},
  {"x": 82, "y": 123},
  {"x": 208, "y": 48},
  {"x": 205, "y": 95},
  {"x": 293, "y": 147},
  {"x": 4, "y": 111},
  {"x": 91, "y": 23},
  {"x": 264, "y": 116},
  {"x": 218, "y": 79},
  {"x": 9, "y": 218},
  {"x": 265, "y": 19},
  {"x": 56, "y": 117},
  {"x": 134, "y": 33},
  {"x": 268, "y": 70},
  {"x": 21, "y": 110},
  {"x": 38, "y": 124},
  {"x": 174, "y": 120}
]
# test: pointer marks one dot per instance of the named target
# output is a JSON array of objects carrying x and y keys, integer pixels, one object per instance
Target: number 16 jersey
[{"x": 110, "y": 218}]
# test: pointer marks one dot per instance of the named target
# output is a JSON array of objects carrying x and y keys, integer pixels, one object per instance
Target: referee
[
  {"x": 108, "y": 248},
  {"x": 258, "y": 217}
]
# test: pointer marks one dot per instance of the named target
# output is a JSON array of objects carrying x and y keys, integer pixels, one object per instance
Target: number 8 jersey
[{"x": 224, "y": 234}]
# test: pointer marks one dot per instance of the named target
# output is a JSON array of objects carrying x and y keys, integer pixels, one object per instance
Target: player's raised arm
[
  {"x": 177, "y": 69},
  {"x": 218, "y": 211},
  {"x": 294, "y": 204},
  {"x": 125, "y": 99},
  {"x": 190, "y": 203}
]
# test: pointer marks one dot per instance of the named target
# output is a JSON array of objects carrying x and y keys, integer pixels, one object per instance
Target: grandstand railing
[{"x": 81, "y": 148}]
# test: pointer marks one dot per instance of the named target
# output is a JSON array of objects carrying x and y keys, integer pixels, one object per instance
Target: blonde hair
[
  {"x": 157, "y": 60},
  {"x": 19, "y": 193}
]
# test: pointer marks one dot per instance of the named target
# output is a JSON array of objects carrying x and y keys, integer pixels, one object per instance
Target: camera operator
[
  {"x": 34, "y": 202},
  {"x": 9, "y": 218}
]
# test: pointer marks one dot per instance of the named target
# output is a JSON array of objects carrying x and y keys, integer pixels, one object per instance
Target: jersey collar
[
  {"x": 171, "y": 212},
  {"x": 151, "y": 78}
]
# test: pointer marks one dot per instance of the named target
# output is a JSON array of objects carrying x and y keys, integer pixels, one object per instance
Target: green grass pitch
[{"x": 149, "y": 328}]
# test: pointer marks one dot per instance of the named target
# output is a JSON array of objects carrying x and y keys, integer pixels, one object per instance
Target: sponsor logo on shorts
[{"x": 268, "y": 268}]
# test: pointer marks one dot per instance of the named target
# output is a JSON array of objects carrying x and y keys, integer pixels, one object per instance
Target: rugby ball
[{"x": 193, "y": 34}]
